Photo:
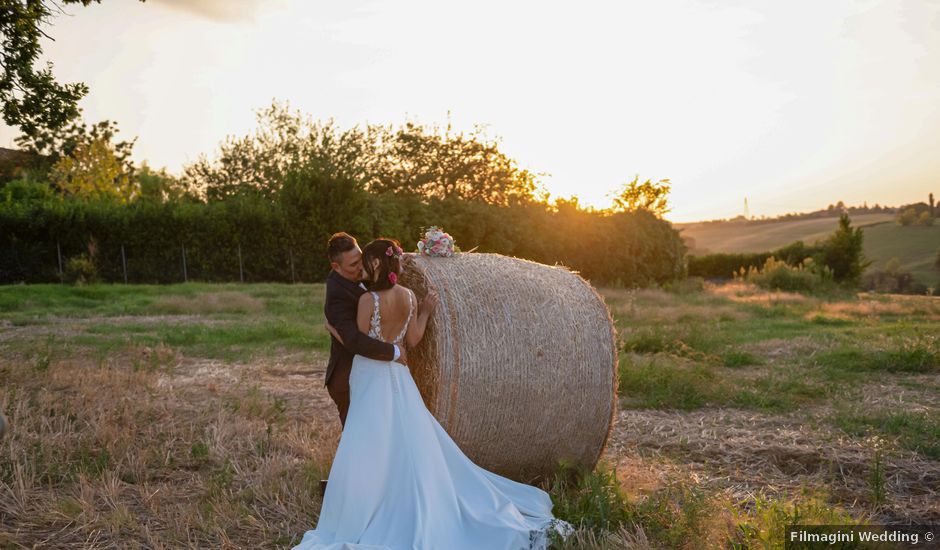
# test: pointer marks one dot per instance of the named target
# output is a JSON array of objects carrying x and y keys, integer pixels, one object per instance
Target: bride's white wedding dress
[{"x": 399, "y": 482}]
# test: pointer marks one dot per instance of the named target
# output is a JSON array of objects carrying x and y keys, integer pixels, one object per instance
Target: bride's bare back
[{"x": 396, "y": 315}]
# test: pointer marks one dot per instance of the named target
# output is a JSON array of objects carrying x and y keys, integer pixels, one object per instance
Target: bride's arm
[{"x": 420, "y": 321}]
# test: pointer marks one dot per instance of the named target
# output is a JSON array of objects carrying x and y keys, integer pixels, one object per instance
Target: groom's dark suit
[{"x": 342, "y": 304}]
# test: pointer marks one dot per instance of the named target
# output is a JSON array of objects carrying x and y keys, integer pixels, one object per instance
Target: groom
[{"x": 343, "y": 289}]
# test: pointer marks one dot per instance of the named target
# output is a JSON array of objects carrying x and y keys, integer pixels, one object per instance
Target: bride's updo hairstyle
[{"x": 385, "y": 275}]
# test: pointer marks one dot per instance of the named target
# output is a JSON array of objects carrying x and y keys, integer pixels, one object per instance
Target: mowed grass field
[
  {"x": 195, "y": 416},
  {"x": 915, "y": 246}
]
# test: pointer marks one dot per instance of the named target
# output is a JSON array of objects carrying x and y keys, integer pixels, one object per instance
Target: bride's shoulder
[{"x": 366, "y": 299}]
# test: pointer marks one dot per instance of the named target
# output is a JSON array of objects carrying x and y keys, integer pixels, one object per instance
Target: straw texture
[{"x": 518, "y": 363}]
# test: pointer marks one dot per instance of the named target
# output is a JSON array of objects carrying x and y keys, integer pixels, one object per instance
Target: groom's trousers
[{"x": 338, "y": 386}]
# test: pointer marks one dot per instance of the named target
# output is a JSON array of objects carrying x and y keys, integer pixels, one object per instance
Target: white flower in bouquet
[{"x": 437, "y": 243}]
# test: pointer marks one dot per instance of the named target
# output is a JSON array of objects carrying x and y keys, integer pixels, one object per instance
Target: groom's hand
[
  {"x": 332, "y": 330},
  {"x": 403, "y": 356}
]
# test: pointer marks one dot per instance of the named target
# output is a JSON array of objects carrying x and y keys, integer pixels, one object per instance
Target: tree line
[{"x": 264, "y": 206}]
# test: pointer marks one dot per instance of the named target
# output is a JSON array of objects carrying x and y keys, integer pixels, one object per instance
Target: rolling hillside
[{"x": 915, "y": 246}]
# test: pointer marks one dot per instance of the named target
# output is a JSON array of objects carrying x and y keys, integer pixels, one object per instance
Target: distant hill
[{"x": 915, "y": 246}]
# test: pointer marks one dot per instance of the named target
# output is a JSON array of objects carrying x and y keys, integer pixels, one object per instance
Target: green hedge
[{"x": 611, "y": 249}]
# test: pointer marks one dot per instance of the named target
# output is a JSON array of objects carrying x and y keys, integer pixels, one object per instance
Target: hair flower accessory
[
  {"x": 393, "y": 277},
  {"x": 394, "y": 252},
  {"x": 437, "y": 243}
]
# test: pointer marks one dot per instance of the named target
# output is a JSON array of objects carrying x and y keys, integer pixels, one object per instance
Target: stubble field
[{"x": 195, "y": 416}]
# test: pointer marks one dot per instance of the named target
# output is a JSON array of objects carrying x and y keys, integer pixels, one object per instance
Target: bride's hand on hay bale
[
  {"x": 419, "y": 323},
  {"x": 429, "y": 303}
]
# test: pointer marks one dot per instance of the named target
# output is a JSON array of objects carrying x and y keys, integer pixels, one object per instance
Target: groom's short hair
[{"x": 339, "y": 243}]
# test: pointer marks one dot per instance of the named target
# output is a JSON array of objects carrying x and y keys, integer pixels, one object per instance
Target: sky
[{"x": 792, "y": 105}]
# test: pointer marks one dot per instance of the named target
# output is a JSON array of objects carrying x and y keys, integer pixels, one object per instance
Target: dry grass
[
  {"x": 924, "y": 307},
  {"x": 114, "y": 456},
  {"x": 747, "y": 293},
  {"x": 666, "y": 307},
  {"x": 145, "y": 446},
  {"x": 209, "y": 302},
  {"x": 621, "y": 539},
  {"x": 747, "y": 453}
]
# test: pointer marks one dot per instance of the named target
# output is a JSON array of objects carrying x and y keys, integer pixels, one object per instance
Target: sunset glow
[{"x": 792, "y": 105}]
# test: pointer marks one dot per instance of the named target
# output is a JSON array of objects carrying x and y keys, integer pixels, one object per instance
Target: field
[
  {"x": 915, "y": 246},
  {"x": 194, "y": 416}
]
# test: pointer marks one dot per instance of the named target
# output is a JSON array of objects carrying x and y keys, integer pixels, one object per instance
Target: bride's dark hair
[{"x": 379, "y": 277}]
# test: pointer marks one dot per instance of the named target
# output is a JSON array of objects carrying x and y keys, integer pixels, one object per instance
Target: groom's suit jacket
[{"x": 342, "y": 304}]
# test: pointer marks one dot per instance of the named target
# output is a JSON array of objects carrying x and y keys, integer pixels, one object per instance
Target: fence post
[
  {"x": 58, "y": 250},
  {"x": 185, "y": 276},
  {"x": 241, "y": 269},
  {"x": 124, "y": 263},
  {"x": 290, "y": 255}
]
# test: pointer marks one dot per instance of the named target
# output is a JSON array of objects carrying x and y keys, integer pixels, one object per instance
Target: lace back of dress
[{"x": 375, "y": 323}]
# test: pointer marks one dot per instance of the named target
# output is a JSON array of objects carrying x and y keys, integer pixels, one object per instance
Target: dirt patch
[
  {"x": 295, "y": 380},
  {"x": 210, "y": 302},
  {"x": 73, "y": 326},
  {"x": 784, "y": 349}
]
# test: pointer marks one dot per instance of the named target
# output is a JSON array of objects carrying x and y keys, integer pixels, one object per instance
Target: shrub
[
  {"x": 80, "y": 270},
  {"x": 778, "y": 275}
]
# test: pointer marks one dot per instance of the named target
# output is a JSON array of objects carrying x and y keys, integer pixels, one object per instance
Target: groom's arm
[{"x": 342, "y": 315}]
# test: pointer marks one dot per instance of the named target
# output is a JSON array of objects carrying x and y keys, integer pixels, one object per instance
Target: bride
[{"x": 398, "y": 481}]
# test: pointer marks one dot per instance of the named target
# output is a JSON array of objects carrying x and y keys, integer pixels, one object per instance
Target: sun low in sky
[{"x": 793, "y": 105}]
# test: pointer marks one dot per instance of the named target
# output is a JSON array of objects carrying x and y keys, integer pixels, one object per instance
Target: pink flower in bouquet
[{"x": 436, "y": 243}]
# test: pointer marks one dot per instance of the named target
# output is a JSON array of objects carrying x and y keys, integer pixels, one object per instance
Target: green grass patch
[
  {"x": 228, "y": 341},
  {"x": 910, "y": 356},
  {"x": 915, "y": 431},
  {"x": 659, "y": 382},
  {"x": 664, "y": 382}
]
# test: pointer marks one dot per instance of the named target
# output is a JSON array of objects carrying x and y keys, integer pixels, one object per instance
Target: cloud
[{"x": 223, "y": 11}]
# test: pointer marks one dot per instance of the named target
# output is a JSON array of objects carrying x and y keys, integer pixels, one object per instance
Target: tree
[
  {"x": 409, "y": 160},
  {"x": 93, "y": 170},
  {"x": 842, "y": 252},
  {"x": 53, "y": 144},
  {"x": 160, "y": 187},
  {"x": 427, "y": 161},
  {"x": 32, "y": 99},
  {"x": 633, "y": 196},
  {"x": 285, "y": 141}
]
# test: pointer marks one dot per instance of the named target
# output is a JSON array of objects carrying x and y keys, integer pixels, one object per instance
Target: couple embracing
[{"x": 398, "y": 481}]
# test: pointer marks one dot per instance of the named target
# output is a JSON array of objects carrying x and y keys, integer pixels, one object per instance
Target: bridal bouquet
[{"x": 437, "y": 243}]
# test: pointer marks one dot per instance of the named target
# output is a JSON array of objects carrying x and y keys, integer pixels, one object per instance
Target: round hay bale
[{"x": 518, "y": 362}]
